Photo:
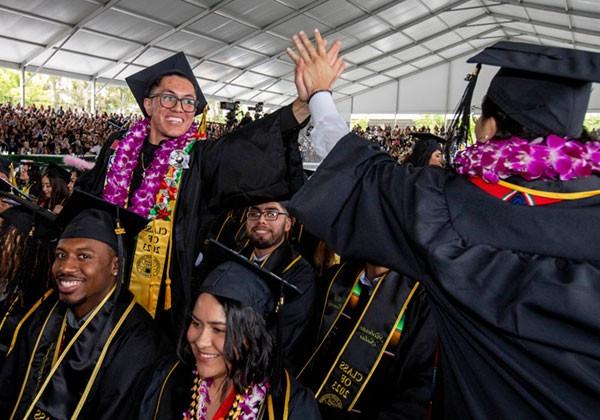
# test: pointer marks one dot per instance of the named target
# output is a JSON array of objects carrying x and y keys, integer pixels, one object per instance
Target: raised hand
[{"x": 316, "y": 68}]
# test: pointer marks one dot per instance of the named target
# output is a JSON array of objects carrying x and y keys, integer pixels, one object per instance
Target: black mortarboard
[
  {"x": 10, "y": 192},
  {"x": 5, "y": 165},
  {"x": 55, "y": 171},
  {"x": 176, "y": 64},
  {"x": 425, "y": 145},
  {"x": 87, "y": 216},
  {"x": 29, "y": 218},
  {"x": 546, "y": 89},
  {"x": 238, "y": 279}
]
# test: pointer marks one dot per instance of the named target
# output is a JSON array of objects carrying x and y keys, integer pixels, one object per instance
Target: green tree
[
  {"x": 430, "y": 120},
  {"x": 363, "y": 123},
  {"x": 77, "y": 94},
  {"x": 39, "y": 89},
  {"x": 592, "y": 122},
  {"x": 9, "y": 86},
  {"x": 113, "y": 98}
]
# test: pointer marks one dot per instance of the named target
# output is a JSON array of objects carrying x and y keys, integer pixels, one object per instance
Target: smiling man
[
  {"x": 267, "y": 226},
  {"x": 73, "y": 354},
  {"x": 163, "y": 171}
]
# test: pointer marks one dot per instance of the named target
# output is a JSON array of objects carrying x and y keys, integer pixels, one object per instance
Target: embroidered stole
[
  {"x": 361, "y": 328},
  {"x": 61, "y": 369},
  {"x": 152, "y": 257}
]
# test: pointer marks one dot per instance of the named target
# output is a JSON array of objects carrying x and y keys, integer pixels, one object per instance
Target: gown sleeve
[
  {"x": 303, "y": 405},
  {"x": 258, "y": 162},
  {"x": 360, "y": 201}
]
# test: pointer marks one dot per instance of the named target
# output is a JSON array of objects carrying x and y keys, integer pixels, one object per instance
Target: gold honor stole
[
  {"x": 339, "y": 376},
  {"x": 152, "y": 258},
  {"x": 148, "y": 268}
]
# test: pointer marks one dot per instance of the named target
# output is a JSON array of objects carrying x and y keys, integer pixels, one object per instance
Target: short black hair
[
  {"x": 507, "y": 127},
  {"x": 156, "y": 81}
]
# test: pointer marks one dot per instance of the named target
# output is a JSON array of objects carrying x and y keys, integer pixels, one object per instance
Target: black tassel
[{"x": 458, "y": 134}]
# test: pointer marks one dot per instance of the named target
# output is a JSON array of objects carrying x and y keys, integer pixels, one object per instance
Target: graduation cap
[
  {"x": 177, "y": 64},
  {"x": 29, "y": 218},
  {"x": 5, "y": 166},
  {"x": 546, "y": 89},
  {"x": 55, "y": 171},
  {"x": 238, "y": 279},
  {"x": 425, "y": 145},
  {"x": 9, "y": 192},
  {"x": 87, "y": 216}
]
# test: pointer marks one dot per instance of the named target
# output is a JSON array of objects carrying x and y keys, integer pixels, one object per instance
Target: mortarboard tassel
[
  {"x": 167, "y": 294},
  {"x": 458, "y": 133},
  {"x": 13, "y": 174},
  {"x": 201, "y": 133}
]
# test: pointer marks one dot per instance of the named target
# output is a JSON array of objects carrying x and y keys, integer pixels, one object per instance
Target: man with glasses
[
  {"x": 267, "y": 227},
  {"x": 162, "y": 170}
]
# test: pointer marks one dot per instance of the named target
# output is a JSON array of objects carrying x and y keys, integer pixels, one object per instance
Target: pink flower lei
[
  {"x": 246, "y": 404},
  {"x": 551, "y": 158},
  {"x": 118, "y": 178}
]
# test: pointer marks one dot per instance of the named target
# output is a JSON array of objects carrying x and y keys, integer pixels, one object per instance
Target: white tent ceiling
[{"x": 403, "y": 56}]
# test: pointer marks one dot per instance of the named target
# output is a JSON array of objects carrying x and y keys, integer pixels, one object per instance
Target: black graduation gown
[
  {"x": 402, "y": 384},
  {"x": 258, "y": 162},
  {"x": 515, "y": 289},
  {"x": 297, "y": 311},
  {"x": 168, "y": 393},
  {"x": 135, "y": 346}
]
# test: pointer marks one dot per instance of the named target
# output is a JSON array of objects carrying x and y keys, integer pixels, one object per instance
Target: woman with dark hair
[
  {"x": 228, "y": 361},
  {"x": 73, "y": 176},
  {"x": 25, "y": 241},
  {"x": 427, "y": 150},
  {"x": 54, "y": 188}
]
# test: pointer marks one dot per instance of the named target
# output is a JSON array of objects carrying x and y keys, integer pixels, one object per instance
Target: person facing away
[
  {"x": 505, "y": 244},
  {"x": 267, "y": 228},
  {"x": 163, "y": 170},
  {"x": 228, "y": 363},
  {"x": 85, "y": 343}
]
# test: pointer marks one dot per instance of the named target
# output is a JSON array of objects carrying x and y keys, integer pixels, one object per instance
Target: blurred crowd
[
  {"x": 398, "y": 142},
  {"x": 56, "y": 131},
  {"x": 44, "y": 130}
]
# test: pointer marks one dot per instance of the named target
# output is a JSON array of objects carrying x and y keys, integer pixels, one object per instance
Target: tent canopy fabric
[{"x": 237, "y": 47}]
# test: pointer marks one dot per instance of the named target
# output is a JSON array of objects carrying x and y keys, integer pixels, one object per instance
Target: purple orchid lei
[
  {"x": 118, "y": 178},
  {"x": 248, "y": 403},
  {"x": 551, "y": 158},
  {"x": 200, "y": 398},
  {"x": 252, "y": 399}
]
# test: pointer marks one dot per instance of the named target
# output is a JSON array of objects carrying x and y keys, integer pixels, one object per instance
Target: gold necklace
[{"x": 143, "y": 165}]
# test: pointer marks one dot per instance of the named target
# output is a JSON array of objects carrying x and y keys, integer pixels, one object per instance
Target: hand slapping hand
[{"x": 316, "y": 68}]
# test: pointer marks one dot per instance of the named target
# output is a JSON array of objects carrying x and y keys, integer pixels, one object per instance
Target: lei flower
[
  {"x": 551, "y": 158},
  {"x": 246, "y": 405},
  {"x": 251, "y": 401},
  {"x": 118, "y": 178}
]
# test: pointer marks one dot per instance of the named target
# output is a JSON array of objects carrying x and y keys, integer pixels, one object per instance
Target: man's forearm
[{"x": 300, "y": 110}]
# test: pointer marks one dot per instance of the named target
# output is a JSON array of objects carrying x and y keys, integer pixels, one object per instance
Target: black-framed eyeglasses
[
  {"x": 270, "y": 215},
  {"x": 168, "y": 100}
]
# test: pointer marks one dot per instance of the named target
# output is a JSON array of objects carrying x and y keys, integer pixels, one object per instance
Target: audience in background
[{"x": 39, "y": 129}]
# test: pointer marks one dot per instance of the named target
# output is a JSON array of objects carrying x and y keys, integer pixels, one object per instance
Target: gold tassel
[
  {"x": 167, "y": 294},
  {"x": 201, "y": 133},
  {"x": 13, "y": 174}
]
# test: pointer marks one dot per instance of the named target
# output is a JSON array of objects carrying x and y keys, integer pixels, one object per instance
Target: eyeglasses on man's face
[
  {"x": 270, "y": 214},
  {"x": 168, "y": 100}
]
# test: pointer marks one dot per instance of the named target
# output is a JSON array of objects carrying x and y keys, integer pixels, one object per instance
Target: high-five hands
[{"x": 316, "y": 68}]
